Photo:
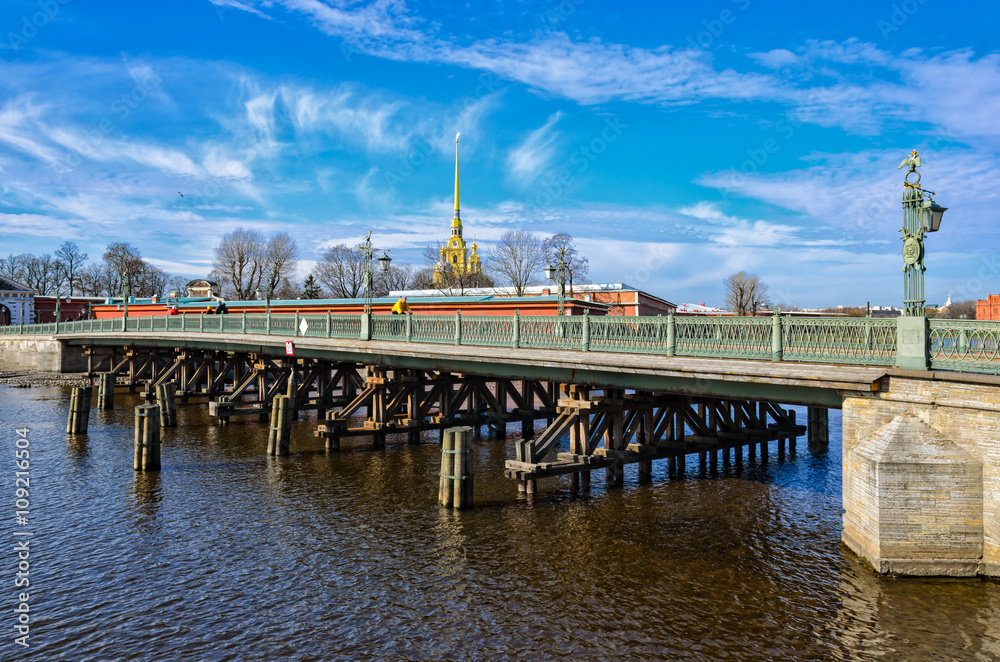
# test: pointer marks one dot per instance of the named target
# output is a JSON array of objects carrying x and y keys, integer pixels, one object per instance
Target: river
[{"x": 227, "y": 554}]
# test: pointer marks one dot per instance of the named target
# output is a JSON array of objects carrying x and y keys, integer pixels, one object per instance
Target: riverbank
[{"x": 27, "y": 379}]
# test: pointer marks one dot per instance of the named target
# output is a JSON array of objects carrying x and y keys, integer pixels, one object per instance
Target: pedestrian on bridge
[{"x": 401, "y": 307}]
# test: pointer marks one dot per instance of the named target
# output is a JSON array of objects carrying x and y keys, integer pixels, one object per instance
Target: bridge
[{"x": 920, "y": 398}]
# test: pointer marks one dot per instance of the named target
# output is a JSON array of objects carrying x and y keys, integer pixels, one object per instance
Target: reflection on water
[{"x": 229, "y": 555}]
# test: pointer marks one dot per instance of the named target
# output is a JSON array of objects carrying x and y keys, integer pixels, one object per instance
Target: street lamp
[
  {"x": 367, "y": 275},
  {"x": 920, "y": 216},
  {"x": 266, "y": 296},
  {"x": 558, "y": 274},
  {"x": 126, "y": 292}
]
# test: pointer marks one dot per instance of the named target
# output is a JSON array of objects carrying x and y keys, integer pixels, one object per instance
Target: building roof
[
  {"x": 11, "y": 285},
  {"x": 700, "y": 308},
  {"x": 202, "y": 282},
  {"x": 532, "y": 290},
  {"x": 277, "y": 303}
]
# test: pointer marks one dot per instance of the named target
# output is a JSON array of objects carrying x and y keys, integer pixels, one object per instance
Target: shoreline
[{"x": 27, "y": 379}]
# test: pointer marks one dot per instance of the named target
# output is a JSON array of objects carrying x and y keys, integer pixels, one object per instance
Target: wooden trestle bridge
[
  {"x": 920, "y": 399},
  {"x": 616, "y": 408},
  {"x": 608, "y": 426}
]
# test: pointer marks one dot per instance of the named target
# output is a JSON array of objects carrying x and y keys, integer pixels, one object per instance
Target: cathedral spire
[{"x": 457, "y": 215}]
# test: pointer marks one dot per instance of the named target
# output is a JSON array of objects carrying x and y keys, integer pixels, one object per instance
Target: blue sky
[{"x": 678, "y": 142}]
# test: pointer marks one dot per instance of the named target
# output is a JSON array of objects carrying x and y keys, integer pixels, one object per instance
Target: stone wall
[
  {"x": 40, "y": 354},
  {"x": 922, "y": 474}
]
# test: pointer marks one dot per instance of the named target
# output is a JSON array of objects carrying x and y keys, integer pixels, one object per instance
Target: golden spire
[{"x": 457, "y": 215}]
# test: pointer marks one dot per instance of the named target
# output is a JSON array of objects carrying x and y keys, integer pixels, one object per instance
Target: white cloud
[
  {"x": 236, "y": 4},
  {"x": 776, "y": 58},
  {"x": 955, "y": 92},
  {"x": 536, "y": 153}
]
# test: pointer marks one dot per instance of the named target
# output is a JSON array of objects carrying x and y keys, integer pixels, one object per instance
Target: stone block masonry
[{"x": 921, "y": 477}]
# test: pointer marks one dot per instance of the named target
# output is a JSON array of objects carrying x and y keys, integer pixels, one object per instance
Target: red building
[
  {"x": 468, "y": 305},
  {"x": 70, "y": 308},
  {"x": 988, "y": 309},
  {"x": 618, "y": 298}
]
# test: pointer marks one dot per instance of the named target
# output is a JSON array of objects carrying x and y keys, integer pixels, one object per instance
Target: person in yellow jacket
[{"x": 401, "y": 307}]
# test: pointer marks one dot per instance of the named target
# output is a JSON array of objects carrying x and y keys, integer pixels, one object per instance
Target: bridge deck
[{"x": 794, "y": 383}]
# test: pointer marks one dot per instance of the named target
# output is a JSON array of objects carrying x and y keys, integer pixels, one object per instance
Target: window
[{"x": 454, "y": 259}]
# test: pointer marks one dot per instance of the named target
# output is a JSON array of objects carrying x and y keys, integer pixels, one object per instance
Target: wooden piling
[
  {"x": 147, "y": 438},
  {"x": 280, "y": 432},
  {"x": 105, "y": 390},
  {"x": 818, "y": 429},
  {"x": 447, "y": 467},
  {"x": 455, "y": 488},
  {"x": 463, "y": 481},
  {"x": 645, "y": 471},
  {"x": 79, "y": 410},
  {"x": 166, "y": 400},
  {"x": 528, "y": 429}
]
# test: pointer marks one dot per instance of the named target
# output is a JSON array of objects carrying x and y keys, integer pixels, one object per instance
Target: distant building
[
  {"x": 16, "y": 300},
  {"x": 455, "y": 260},
  {"x": 702, "y": 309},
  {"x": 619, "y": 298},
  {"x": 989, "y": 309},
  {"x": 70, "y": 308},
  {"x": 202, "y": 288}
]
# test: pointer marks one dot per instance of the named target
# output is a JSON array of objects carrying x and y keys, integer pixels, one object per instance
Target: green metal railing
[{"x": 964, "y": 345}]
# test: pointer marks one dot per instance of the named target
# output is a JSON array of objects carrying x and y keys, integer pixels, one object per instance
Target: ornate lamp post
[
  {"x": 367, "y": 274},
  {"x": 58, "y": 301},
  {"x": 920, "y": 216},
  {"x": 558, "y": 274},
  {"x": 126, "y": 293},
  {"x": 266, "y": 296}
]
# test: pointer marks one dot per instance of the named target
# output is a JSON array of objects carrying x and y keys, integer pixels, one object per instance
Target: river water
[{"x": 227, "y": 554}]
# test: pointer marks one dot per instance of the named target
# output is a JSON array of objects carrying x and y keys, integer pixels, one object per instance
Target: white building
[{"x": 16, "y": 300}]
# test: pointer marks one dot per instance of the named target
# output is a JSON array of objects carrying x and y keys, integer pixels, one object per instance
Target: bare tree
[
  {"x": 745, "y": 293},
  {"x": 99, "y": 279},
  {"x": 72, "y": 260},
  {"x": 396, "y": 277},
  {"x": 177, "y": 284},
  {"x": 423, "y": 279},
  {"x": 341, "y": 271},
  {"x": 238, "y": 262},
  {"x": 287, "y": 290},
  {"x": 577, "y": 266},
  {"x": 40, "y": 273},
  {"x": 516, "y": 259},
  {"x": 151, "y": 280},
  {"x": 12, "y": 267},
  {"x": 126, "y": 264},
  {"x": 959, "y": 308},
  {"x": 279, "y": 257}
]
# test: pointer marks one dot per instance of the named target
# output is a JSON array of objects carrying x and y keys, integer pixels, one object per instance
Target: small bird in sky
[{"x": 180, "y": 194}]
